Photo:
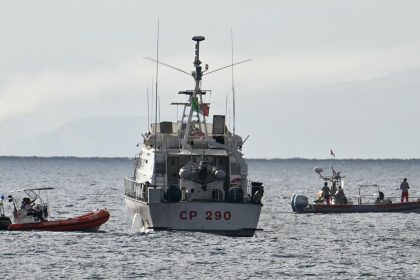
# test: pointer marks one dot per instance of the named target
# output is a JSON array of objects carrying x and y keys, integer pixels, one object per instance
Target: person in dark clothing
[{"x": 326, "y": 193}]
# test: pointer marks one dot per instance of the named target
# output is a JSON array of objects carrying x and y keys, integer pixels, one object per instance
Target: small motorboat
[
  {"x": 33, "y": 215},
  {"x": 339, "y": 203}
]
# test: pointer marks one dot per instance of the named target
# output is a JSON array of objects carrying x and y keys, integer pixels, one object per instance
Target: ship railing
[
  {"x": 410, "y": 199},
  {"x": 372, "y": 199},
  {"x": 135, "y": 189},
  {"x": 366, "y": 199}
]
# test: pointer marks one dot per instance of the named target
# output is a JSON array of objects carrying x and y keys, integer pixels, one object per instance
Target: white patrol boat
[{"x": 190, "y": 174}]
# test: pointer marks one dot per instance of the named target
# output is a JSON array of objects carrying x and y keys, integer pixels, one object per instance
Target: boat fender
[
  {"x": 185, "y": 173},
  {"x": 219, "y": 174}
]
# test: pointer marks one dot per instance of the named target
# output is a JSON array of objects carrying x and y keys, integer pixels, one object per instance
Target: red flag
[
  {"x": 204, "y": 110},
  {"x": 332, "y": 152}
]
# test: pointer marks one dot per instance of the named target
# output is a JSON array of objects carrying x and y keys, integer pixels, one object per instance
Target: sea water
[{"x": 291, "y": 246}]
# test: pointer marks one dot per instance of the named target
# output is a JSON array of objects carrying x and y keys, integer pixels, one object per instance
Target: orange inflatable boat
[
  {"x": 33, "y": 214},
  {"x": 88, "y": 222}
]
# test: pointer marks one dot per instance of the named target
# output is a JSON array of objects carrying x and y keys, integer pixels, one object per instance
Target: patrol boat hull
[{"x": 224, "y": 218}]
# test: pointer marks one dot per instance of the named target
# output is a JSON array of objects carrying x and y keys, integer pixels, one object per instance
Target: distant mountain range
[
  {"x": 86, "y": 137},
  {"x": 376, "y": 118}
]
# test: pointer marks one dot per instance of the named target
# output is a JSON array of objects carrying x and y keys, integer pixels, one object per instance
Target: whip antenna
[
  {"x": 152, "y": 103},
  {"x": 167, "y": 65},
  {"x": 156, "y": 81},
  {"x": 148, "y": 107},
  {"x": 233, "y": 87},
  {"x": 156, "y": 98},
  {"x": 227, "y": 66}
]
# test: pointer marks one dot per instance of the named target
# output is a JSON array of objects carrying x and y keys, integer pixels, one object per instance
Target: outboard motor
[
  {"x": 299, "y": 203},
  {"x": 257, "y": 192},
  {"x": 4, "y": 220}
]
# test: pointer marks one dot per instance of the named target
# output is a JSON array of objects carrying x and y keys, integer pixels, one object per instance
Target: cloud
[
  {"x": 305, "y": 69},
  {"x": 26, "y": 94},
  {"x": 275, "y": 71}
]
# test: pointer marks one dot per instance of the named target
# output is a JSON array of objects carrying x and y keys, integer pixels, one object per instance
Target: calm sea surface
[{"x": 342, "y": 246}]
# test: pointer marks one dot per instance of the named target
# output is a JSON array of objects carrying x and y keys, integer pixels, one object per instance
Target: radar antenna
[{"x": 197, "y": 74}]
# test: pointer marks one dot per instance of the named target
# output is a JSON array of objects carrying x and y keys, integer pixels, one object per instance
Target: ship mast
[{"x": 197, "y": 74}]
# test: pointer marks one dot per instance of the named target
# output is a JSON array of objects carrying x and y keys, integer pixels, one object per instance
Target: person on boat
[
  {"x": 380, "y": 198},
  {"x": 404, "y": 188},
  {"x": 334, "y": 189},
  {"x": 326, "y": 193},
  {"x": 340, "y": 197},
  {"x": 27, "y": 206}
]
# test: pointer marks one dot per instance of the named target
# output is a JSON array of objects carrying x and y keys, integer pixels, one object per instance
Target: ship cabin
[{"x": 207, "y": 165}]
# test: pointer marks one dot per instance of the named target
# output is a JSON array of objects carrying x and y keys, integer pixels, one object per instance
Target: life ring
[
  {"x": 197, "y": 135},
  {"x": 235, "y": 181}
]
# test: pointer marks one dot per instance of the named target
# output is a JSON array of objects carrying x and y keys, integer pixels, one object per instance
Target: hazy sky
[{"x": 67, "y": 60}]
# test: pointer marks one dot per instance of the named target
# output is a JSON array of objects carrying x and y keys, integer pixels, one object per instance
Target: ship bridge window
[
  {"x": 218, "y": 124},
  {"x": 219, "y": 139},
  {"x": 160, "y": 168},
  {"x": 165, "y": 127}
]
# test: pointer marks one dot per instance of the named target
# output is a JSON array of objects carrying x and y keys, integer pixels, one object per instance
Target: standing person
[
  {"x": 326, "y": 193},
  {"x": 340, "y": 196},
  {"x": 404, "y": 188}
]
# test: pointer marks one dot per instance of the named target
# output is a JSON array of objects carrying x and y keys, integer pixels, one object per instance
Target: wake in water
[{"x": 137, "y": 225}]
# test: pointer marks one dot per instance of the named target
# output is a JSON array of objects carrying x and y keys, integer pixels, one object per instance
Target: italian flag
[
  {"x": 194, "y": 104},
  {"x": 200, "y": 108},
  {"x": 204, "y": 110}
]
